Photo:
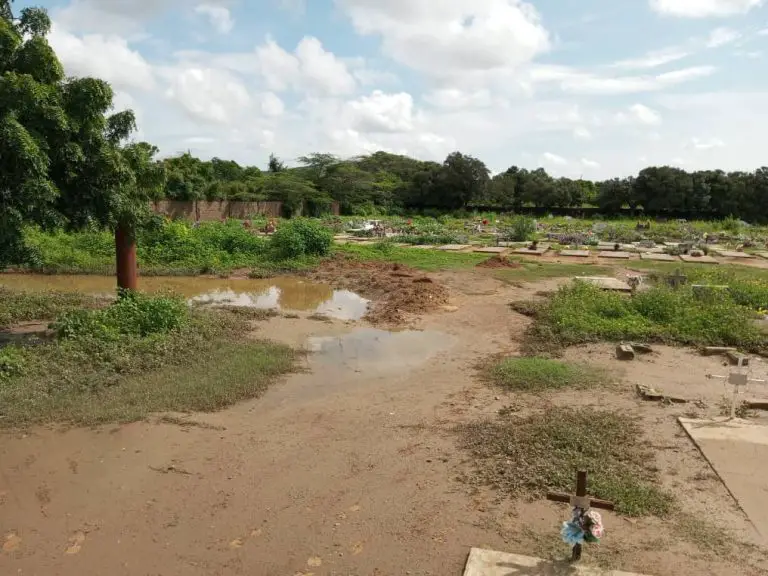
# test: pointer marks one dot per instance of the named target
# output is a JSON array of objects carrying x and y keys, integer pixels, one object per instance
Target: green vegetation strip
[
  {"x": 25, "y": 306},
  {"x": 428, "y": 260},
  {"x": 580, "y": 313},
  {"x": 534, "y": 271},
  {"x": 533, "y": 374},
  {"x": 527, "y": 456},
  {"x": 137, "y": 356}
]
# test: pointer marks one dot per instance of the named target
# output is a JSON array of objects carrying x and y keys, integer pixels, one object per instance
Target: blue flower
[{"x": 572, "y": 533}]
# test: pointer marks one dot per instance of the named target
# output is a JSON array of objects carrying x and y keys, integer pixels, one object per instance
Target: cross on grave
[
  {"x": 581, "y": 502},
  {"x": 677, "y": 279},
  {"x": 738, "y": 380}
]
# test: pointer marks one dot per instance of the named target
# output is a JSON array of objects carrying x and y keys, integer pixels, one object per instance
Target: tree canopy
[{"x": 65, "y": 159}]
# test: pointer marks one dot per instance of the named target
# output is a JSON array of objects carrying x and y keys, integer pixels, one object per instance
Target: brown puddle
[
  {"x": 283, "y": 293},
  {"x": 369, "y": 349}
]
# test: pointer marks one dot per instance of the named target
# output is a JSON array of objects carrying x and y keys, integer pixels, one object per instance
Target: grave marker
[
  {"x": 588, "y": 524},
  {"x": 738, "y": 379},
  {"x": 677, "y": 279}
]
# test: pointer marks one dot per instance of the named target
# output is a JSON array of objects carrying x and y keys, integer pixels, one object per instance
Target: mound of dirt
[
  {"x": 397, "y": 291},
  {"x": 497, "y": 261}
]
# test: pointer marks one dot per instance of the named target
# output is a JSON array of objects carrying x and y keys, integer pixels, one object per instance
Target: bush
[
  {"x": 583, "y": 313},
  {"x": 133, "y": 314},
  {"x": 521, "y": 229},
  {"x": 301, "y": 237},
  {"x": 12, "y": 362}
]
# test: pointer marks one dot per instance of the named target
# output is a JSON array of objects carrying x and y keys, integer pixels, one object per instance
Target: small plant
[
  {"x": 301, "y": 237},
  {"x": 521, "y": 229},
  {"x": 12, "y": 362}
]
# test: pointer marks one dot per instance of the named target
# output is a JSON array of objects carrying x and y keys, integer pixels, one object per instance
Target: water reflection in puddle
[
  {"x": 283, "y": 293},
  {"x": 378, "y": 350}
]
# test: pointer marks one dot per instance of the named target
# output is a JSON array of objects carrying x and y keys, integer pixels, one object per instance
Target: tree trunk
[{"x": 125, "y": 250}]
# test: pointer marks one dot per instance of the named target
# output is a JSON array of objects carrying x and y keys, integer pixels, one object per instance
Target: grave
[
  {"x": 424, "y": 247},
  {"x": 491, "y": 250},
  {"x": 537, "y": 252},
  {"x": 491, "y": 563},
  {"x": 454, "y": 247},
  {"x": 578, "y": 253},
  {"x": 738, "y": 452},
  {"x": 732, "y": 254},
  {"x": 698, "y": 259},
  {"x": 606, "y": 283},
  {"x": 513, "y": 244},
  {"x": 671, "y": 244},
  {"x": 607, "y": 245},
  {"x": 658, "y": 257},
  {"x": 763, "y": 255},
  {"x": 615, "y": 254},
  {"x": 365, "y": 242}
]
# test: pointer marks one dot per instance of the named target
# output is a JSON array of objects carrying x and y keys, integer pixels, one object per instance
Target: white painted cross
[{"x": 738, "y": 380}]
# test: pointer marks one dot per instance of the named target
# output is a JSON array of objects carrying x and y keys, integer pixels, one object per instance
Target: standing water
[{"x": 282, "y": 293}]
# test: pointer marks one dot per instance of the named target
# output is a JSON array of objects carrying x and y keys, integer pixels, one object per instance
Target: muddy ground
[{"x": 350, "y": 467}]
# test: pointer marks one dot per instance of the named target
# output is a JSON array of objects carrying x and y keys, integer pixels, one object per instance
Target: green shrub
[
  {"x": 12, "y": 362},
  {"x": 521, "y": 229},
  {"x": 583, "y": 313},
  {"x": 133, "y": 314},
  {"x": 301, "y": 237}
]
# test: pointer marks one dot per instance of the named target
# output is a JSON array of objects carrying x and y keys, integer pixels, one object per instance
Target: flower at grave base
[
  {"x": 572, "y": 533},
  {"x": 594, "y": 523}
]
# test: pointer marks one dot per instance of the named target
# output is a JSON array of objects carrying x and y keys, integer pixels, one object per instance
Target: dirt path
[
  {"x": 332, "y": 472},
  {"x": 348, "y": 468}
]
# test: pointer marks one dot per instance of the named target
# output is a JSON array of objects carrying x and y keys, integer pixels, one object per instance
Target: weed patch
[
  {"x": 428, "y": 260},
  {"x": 18, "y": 306},
  {"x": 581, "y": 313},
  {"x": 533, "y": 374},
  {"x": 533, "y": 271},
  {"x": 526, "y": 457}
]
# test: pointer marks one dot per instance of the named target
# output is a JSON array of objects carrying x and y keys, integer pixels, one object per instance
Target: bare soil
[{"x": 351, "y": 467}]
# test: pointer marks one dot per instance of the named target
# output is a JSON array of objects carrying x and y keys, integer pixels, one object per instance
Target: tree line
[{"x": 391, "y": 183}]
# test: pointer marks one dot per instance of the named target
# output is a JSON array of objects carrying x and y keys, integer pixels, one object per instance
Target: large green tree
[{"x": 64, "y": 159}]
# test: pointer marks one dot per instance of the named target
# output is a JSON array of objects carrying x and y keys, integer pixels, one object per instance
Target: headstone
[
  {"x": 625, "y": 352},
  {"x": 712, "y": 350},
  {"x": 737, "y": 359},
  {"x": 454, "y": 247},
  {"x": 677, "y": 279},
  {"x": 705, "y": 259},
  {"x": 605, "y": 282},
  {"x": 491, "y": 250},
  {"x": 738, "y": 380},
  {"x": 658, "y": 257},
  {"x": 616, "y": 254}
]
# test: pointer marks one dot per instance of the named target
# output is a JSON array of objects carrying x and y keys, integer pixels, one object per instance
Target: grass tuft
[
  {"x": 527, "y": 456},
  {"x": 533, "y": 374}
]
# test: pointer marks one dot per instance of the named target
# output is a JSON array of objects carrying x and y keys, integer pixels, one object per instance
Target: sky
[{"x": 583, "y": 88}]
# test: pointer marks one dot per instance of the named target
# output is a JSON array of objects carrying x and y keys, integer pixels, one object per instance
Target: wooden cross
[
  {"x": 738, "y": 380},
  {"x": 676, "y": 279},
  {"x": 579, "y": 500}
]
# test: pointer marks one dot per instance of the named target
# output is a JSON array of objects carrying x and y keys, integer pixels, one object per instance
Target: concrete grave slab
[
  {"x": 365, "y": 242},
  {"x": 698, "y": 259},
  {"x": 671, "y": 244},
  {"x": 578, "y": 253},
  {"x": 659, "y": 257},
  {"x": 538, "y": 252},
  {"x": 606, "y": 245},
  {"x": 513, "y": 244},
  {"x": 738, "y": 451},
  {"x": 454, "y": 247},
  {"x": 616, "y": 254},
  {"x": 732, "y": 254},
  {"x": 342, "y": 241},
  {"x": 763, "y": 255},
  {"x": 423, "y": 247},
  {"x": 605, "y": 282},
  {"x": 491, "y": 563},
  {"x": 491, "y": 250}
]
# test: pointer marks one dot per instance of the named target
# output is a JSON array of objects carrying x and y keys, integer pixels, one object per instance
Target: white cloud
[
  {"x": 578, "y": 82},
  {"x": 550, "y": 158},
  {"x": 106, "y": 57},
  {"x": 208, "y": 94},
  {"x": 382, "y": 112},
  {"x": 763, "y": 32},
  {"x": 722, "y": 36},
  {"x": 458, "y": 37},
  {"x": 706, "y": 143},
  {"x": 653, "y": 59},
  {"x": 704, "y": 8},
  {"x": 310, "y": 68},
  {"x": 219, "y": 17},
  {"x": 589, "y": 163},
  {"x": 272, "y": 105},
  {"x": 455, "y": 98},
  {"x": 639, "y": 114},
  {"x": 582, "y": 133}
]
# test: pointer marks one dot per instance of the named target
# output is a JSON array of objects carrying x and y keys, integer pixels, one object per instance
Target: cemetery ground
[{"x": 389, "y": 444}]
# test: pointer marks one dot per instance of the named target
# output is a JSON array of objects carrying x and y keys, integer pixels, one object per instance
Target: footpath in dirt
[{"x": 351, "y": 466}]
